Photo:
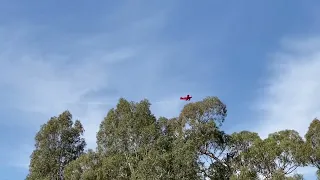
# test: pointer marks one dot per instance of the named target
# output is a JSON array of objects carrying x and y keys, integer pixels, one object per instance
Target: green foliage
[
  {"x": 87, "y": 166},
  {"x": 57, "y": 144},
  {"x": 278, "y": 155},
  {"x": 244, "y": 162},
  {"x": 133, "y": 145},
  {"x": 205, "y": 137},
  {"x": 313, "y": 143},
  {"x": 211, "y": 109}
]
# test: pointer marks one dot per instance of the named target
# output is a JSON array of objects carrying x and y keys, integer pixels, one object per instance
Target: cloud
[
  {"x": 168, "y": 107},
  {"x": 290, "y": 97},
  {"x": 83, "y": 74}
]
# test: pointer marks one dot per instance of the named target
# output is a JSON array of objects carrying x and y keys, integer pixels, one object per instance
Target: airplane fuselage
[{"x": 187, "y": 98}]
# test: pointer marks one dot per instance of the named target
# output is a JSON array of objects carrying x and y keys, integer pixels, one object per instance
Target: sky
[{"x": 261, "y": 58}]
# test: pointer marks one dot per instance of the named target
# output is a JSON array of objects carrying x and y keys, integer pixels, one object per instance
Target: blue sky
[{"x": 259, "y": 57}]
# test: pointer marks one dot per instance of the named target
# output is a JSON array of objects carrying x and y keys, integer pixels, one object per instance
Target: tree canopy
[
  {"x": 57, "y": 144},
  {"x": 132, "y": 144}
]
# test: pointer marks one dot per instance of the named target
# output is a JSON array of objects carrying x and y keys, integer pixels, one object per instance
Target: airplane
[{"x": 187, "y": 98}]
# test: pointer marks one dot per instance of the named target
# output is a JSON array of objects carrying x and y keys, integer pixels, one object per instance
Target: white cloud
[
  {"x": 290, "y": 97},
  {"x": 34, "y": 80},
  {"x": 168, "y": 107}
]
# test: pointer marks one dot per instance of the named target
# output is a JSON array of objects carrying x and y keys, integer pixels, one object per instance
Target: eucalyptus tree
[{"x": 58, "y": 143}]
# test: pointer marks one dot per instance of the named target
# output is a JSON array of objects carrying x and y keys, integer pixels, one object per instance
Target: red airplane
[{"x": 187, "y": 98}]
